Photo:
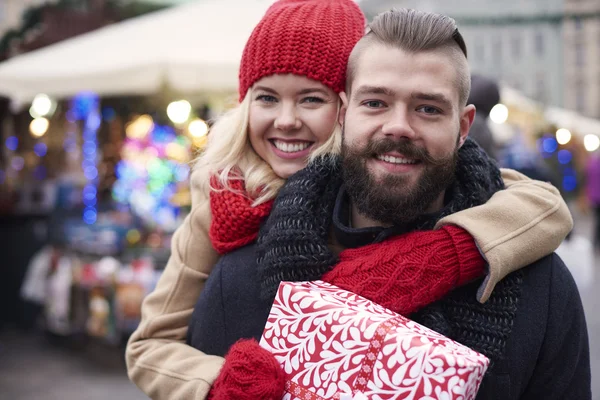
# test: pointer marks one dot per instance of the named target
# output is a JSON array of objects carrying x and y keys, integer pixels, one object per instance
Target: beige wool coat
[{"x": 515, "y": 227}]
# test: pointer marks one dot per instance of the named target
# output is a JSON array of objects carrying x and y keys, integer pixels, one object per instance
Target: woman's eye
[
  {"x": 266, "y": 98},
  {"x": 313, "y": 99}
]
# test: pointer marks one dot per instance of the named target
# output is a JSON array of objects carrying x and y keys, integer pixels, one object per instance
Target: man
[
  {"x": 484, "y": 95},
  {"x": 406, "y": 162}
]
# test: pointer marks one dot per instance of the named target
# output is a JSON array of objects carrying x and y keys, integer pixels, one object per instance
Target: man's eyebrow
[
  {"x": 366, "y": 89},
  {"x": 436, "y": 97}
]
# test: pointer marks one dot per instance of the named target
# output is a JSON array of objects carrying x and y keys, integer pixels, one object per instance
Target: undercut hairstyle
[{"x": 415, "y": 31}]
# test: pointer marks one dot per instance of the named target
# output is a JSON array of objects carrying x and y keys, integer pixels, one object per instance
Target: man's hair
[{"x": 416, "y": 31}]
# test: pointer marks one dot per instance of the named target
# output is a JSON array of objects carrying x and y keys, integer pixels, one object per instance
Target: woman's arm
[
  {"x": 158, "y": 360},
  {"x": 517, "y": 226}
]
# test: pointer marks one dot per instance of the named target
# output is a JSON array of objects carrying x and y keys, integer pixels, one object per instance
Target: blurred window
[
  {"x": 540, "y": 86},
  {"x": 579, "y": 54},
  {"x": 479, "y": 50},
  {"x": 516, "y": 47},
  {"x": 578, "y": 23},
  {"x": 539, "y": 43},
  {"x": 580, "y": 96},
  {"x": 497, "y": 46}
]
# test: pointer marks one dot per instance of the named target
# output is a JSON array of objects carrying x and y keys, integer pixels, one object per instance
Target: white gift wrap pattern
[{"x": 334, "y": 344}]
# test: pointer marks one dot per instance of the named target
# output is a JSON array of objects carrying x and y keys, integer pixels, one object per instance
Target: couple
[{"x": 394, "y": 208}]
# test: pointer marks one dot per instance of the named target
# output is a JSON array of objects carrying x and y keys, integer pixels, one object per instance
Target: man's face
[{"x": 403, "y": 125}]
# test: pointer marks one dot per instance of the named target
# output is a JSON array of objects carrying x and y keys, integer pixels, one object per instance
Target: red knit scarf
[
  {"x": 235, "y": 222},
  {"x": 403, "y": 273}
]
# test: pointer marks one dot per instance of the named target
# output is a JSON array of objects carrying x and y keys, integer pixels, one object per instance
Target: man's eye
[
  {"x": 373, "y": 104},
  {"x": 266, "y": 98},
  {"x": 429, "y": 110}
]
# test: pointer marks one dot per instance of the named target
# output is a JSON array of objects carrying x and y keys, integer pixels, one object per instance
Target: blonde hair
[{"x": 229, "y": 156}]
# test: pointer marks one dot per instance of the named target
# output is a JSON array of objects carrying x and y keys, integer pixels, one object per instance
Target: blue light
[
  {"x": 40, "y": 172},
  {"x": 550, "y": 145},
  {"x": 93, "y": 122},
  {"x": 89, "y": 134},
  {"x": 12, "y": 142},
  {"x": 91, "y": 173},
  {"x": 83, "y": 104},
  {"x": 87, "y": 163},
  {"x": 89, "y": 148},
  {"x": 90, "y": 202},
  {"x": 40, "y": 149},
  {"x": 182, "y": 172},
  {"x": 163, "y": 134},
  {"x": 90, "y": 215},
  {"x": 569, "y": 183},
  {"x": 564, "y": 156},
  {"x": 89, "y": 192},
  {"x": 120, "y": 192}
]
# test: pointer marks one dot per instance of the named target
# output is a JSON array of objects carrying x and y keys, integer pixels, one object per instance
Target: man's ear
[
  {"x": 466, "y": 120},
  {"x": 344, "y": 107}
]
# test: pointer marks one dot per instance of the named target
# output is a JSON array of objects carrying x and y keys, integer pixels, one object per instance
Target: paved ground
[
  {"x": 33, "y": 368},
  {"x": 587, "y": 276}
]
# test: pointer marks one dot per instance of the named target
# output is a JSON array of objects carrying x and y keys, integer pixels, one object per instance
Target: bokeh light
[{"x": 499, "y": 114}]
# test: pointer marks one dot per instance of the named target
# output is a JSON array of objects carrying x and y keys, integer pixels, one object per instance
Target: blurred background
[{"x": 104, "y": 104}]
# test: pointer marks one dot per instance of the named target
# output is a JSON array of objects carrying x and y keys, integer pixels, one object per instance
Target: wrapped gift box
[{"x": 334, "y": 344}]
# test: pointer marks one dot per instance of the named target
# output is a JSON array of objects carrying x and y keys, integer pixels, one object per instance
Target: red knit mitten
[
  {"x": 249, "y": 373},
  {"x": 408, "y": 272},
  {"x": 235, "y": 221}
]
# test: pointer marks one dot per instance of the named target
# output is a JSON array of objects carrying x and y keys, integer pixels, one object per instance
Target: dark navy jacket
[{"x": 546, "y": 356}]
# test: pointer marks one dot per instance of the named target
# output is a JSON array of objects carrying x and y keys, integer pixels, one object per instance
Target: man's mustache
[{"x": 403, "y": 146}]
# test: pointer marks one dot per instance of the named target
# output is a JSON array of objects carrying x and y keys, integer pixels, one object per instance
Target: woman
[{"x": 292, "y": 68}]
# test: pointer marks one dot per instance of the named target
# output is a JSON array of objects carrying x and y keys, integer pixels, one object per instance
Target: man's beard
[{"x": 393, "y": 199}]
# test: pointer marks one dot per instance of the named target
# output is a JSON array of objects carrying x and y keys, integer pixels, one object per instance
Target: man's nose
[{"x": 398, "y": 125}]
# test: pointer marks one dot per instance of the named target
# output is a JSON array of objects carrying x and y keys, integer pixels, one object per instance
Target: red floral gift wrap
[{"x": 334, "y": 344}]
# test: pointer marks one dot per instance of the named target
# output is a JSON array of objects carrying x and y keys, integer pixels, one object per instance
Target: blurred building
[
  {"x": 582, "y": 57},
  {"x": 547, "y": 49}
]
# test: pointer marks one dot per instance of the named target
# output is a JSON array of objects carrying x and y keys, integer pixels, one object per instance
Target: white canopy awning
[{"x": 191, "y": 48}]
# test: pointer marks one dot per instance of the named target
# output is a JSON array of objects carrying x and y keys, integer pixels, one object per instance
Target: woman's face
[{"x": 290, "y": 116}]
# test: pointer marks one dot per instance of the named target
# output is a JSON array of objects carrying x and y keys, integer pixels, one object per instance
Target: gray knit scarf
[{"x": 293, "y": 246}]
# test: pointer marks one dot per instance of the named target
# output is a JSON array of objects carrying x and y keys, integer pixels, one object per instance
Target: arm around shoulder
[{"x": 517, "y": 226}]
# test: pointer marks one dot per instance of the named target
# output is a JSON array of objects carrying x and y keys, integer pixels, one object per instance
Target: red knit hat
[{"x": 312, "y": 38}]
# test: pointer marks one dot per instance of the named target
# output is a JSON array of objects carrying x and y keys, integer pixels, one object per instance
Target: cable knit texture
[
  {"x": 408, "y": 272},
  {"x": 403, "y": 273},
  {"x": 235, "y": 222},
  {"x": 312, "y": 38},
  {"x": 249, "y": 373}
]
